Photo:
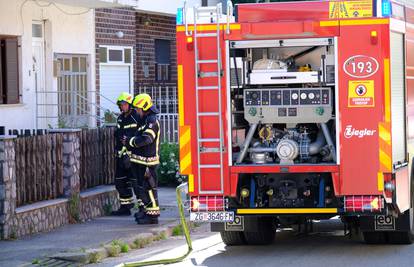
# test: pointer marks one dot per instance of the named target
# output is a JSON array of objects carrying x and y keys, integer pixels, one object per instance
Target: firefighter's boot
[
  {"x": 124, "y": 210},
  {"x": 140, "y": 214},
  {"x": 147, "y": 219}
]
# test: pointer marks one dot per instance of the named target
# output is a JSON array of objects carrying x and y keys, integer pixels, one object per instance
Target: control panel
[{"x": 288, "y": 105}]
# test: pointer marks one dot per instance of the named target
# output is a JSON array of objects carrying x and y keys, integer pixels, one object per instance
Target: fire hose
[{"x": 186, "y": 231}]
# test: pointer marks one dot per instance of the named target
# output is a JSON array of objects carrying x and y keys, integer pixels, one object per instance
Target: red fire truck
[{"x": 297, "y": 111}]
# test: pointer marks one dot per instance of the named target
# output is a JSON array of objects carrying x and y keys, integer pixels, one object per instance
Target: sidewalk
[{"x": 92, "y": 234}]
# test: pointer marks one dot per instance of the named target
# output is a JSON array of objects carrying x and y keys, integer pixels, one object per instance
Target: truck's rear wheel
[
  {"x": 403, "y": 237},
  {"x": 231, "y": 238},
  {"x": 264, "y": 235},
  {"x": 374, "y": 237},
  {"x": 400, "y": 238}
]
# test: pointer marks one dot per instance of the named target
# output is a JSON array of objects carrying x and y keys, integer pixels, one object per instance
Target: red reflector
[
  {"x": 207, "y": 203},
  {"x": 363, "y": 203}
]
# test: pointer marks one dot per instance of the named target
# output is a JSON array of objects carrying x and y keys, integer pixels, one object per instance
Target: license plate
[{"x": 213, "y": 216}]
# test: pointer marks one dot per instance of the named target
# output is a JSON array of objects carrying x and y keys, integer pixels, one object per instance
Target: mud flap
[{"x": 386, "y": 223}]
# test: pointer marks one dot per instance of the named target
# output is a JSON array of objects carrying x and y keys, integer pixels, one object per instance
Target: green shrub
[
  {"x": 124, "y": 248},
  {"x": 110, "y": 117},
  {"x": 169, "y": 169},
  {"x": 74, "y": 202}
]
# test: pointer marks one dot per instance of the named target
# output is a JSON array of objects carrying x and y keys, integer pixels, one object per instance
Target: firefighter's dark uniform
[
  {"x": 127, "y": 126},
  {"x": 145, "y": 158}
]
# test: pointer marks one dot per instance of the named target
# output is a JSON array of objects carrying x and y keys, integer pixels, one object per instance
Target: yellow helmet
[
  {"x": 143, "y": 101},
  {"x": 125, "y": 97}
]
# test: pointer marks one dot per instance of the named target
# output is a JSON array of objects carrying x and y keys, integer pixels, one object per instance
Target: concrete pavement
[{"x": 92, "y": 234}]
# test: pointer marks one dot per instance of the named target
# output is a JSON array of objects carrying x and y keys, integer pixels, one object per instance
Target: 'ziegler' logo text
[{"x": 350, "y": 132}]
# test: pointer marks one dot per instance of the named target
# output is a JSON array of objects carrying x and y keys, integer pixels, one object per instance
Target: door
[
  {"x": 38, "y": 60},
  {"x": 115, "y": 76},
  {"x": 73, "y": 103},
  {"x": 113, "y": 81}
]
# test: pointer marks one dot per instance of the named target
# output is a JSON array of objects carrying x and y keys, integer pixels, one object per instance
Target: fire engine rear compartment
[{"x": 283, "y": 114}]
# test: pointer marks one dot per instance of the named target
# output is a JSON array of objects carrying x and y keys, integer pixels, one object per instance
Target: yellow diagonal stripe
[
  {"x": 387, "y": 91},
  {"x": 385, "y": 160},
  {"x": 185, "y": 162},
  {"x": 185, "y": 138},
  {"x": 190, "y": 183},
  {"x": 380, "y": 181},
  {"x": 384, "y": 135},
  {"x": 180, "y": 85}
]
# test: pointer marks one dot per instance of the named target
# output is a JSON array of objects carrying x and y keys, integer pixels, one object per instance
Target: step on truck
[{"x": 291, "y": 112}]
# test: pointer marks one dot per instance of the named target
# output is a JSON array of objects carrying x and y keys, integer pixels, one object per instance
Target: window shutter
[{"x": 12, "y": 72}]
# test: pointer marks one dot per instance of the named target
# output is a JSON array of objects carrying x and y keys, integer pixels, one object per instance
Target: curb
[{"x": 114, "y": 249}]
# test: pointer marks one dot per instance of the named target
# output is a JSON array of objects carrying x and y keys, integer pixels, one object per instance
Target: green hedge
[{"x": 169, "y": 169}]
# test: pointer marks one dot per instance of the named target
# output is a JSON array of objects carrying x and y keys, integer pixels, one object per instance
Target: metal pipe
[
  {"x": 262, "y": 149},
  {"x": 328, "y": 139},
  {"x": 315, "y": 147},
  {"x": 246, "y": 144}
]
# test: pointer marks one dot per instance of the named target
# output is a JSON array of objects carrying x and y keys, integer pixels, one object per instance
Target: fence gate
[
  {"x": 165, "y": 99},
  {"x": 73, "y": 108}
]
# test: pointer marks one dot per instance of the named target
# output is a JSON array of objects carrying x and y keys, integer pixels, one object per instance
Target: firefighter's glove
[
  {"x": 150, "y": 179},
  {"x": 124, "y": 140}
]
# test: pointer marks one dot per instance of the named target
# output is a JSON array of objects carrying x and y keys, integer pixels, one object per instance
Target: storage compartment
[{"x": 283, "y": 101}]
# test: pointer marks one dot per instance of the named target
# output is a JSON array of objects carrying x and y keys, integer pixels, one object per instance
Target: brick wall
[
  {"x": 149, "y": 28},
  {"x": 107, "y": 23},
  {"x": 140, "y": 31}
]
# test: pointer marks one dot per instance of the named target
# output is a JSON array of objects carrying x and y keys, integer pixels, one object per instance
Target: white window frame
[{"x": 121, "y": 63}]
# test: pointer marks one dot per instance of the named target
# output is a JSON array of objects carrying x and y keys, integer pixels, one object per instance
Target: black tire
[
  {"x": 264, "y": 236},
  {"x": 400, "y": 238},
  {"x": 232, "y": 238},
  {"x": 375, "y": 237}
]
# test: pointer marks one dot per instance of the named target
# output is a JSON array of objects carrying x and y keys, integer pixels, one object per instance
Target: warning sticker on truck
[
  {"x": 350, "y": 9},
  {"x": 361, "y": 94}
]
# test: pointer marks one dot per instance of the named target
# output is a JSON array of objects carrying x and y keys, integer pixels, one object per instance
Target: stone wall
[
  {"x": 40, "y": 217},
  {"x": 98, "y": 202},
  {"x": 71, "y": 163},
  {"x": 7, "y": 186},
  {"x": 74, "y": 206}
]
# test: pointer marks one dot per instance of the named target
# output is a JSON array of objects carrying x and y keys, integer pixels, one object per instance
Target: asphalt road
[{"x": 326, "y": 246}]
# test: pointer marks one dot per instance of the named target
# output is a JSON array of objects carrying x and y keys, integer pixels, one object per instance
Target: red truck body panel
[{"x": 365, "y": 148}]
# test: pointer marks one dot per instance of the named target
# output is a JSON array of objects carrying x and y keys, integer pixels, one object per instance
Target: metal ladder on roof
[{"x": 212, "y": 13}]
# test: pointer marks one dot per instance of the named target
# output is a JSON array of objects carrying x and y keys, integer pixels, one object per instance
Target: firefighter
[
  {"x": 144, "y": 160},
  {"x": 127, "y": 125}
]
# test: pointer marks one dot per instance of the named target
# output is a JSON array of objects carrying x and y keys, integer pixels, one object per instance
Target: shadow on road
[{"x": 326, "y": 246}]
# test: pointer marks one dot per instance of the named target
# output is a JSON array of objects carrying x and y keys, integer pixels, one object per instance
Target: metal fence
[{"x": 166, "y": 100}]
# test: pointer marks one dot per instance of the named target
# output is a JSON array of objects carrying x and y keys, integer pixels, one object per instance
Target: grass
[
  {"x": 94, "y": 257},
  {"x": 177, "y": 230},
  {"x": 124, "y": 248},
  {"x": 113, "y": 250},
  {"x": 142, "y": 242},
  {"x": 35, "y": 261}
]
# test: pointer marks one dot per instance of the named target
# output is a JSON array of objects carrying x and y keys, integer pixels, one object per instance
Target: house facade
[
  {"x": 147, "y": 33},
  {"x": 64, "y": 62},
  {"x": 47, "y": 70}
]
